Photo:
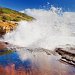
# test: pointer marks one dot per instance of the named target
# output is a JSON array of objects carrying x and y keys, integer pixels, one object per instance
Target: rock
[
  {"x": 6, "y": 27},
  {"x": 68, "y": 55},
  {"x": 3, "y": 45},
  {"x": 4, "y": 48}
]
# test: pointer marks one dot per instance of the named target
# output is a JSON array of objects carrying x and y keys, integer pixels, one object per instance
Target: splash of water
[{"x": 49, "y": 30}]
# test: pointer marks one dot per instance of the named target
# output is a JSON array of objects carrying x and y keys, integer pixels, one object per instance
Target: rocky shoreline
[
  {"x": 42, "y": 61},
  {"x": 67, "y": 55}
]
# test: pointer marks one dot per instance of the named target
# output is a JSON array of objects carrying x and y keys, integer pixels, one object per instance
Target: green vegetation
[
  {"x": 4, "y": 52},
  {"x": 7, "y": 14}
]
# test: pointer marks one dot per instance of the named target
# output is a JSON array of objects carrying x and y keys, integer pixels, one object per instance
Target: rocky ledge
[{"x": 67, "y": 55}]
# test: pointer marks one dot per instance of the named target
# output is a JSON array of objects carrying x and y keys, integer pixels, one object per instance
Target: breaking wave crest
[{"x": 50, "y": 29}]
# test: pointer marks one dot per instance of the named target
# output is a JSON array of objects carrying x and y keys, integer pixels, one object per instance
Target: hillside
[
  {"x": 7, "y": 14},
  {"x": 9, "y": 19}
]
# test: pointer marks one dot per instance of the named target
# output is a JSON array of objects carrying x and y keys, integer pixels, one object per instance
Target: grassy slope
[{"x": 12, "y": 15}]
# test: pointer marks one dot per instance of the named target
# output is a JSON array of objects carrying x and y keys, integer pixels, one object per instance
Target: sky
[{"x": 68, "y": 5}]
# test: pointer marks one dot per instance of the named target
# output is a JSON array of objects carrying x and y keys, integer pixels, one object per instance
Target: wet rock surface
[
  {"x": 67, "y": 54},
  {"x": 37, "y": 61},
  {"x": 4, "y": 48},
  {"x": 3, "y": 45}
]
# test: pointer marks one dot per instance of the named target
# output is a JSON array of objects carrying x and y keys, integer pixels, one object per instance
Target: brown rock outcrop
[
  {"x": 3, "y": 45},
  {"x": 6, "y": 27}
]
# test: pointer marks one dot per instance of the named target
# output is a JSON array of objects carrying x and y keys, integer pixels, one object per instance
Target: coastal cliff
[{"x": 9, "y": 19}]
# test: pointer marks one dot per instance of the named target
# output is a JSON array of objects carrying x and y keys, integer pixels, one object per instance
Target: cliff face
[
  {"x": 9, "y": 19},
  {"x": 6, "y": 27}
]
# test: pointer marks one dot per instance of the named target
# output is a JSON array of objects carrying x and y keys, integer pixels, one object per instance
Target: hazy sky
[{"x": 23, "y": 4}]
